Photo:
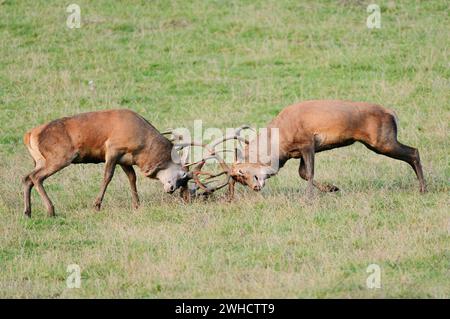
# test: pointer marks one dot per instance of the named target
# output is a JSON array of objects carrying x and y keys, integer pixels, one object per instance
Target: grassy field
[{"x": 228, "y": 63}]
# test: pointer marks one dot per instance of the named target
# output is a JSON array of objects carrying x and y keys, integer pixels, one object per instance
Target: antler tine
[
  {"x": 212, "y": 154},
  {"x": 180, "y": 146},
  {"x": 226, "y": 138},
  {"x": 243, "y": 127},
  {"x": 223, "y": 150},
  {"x": 238, "y": 133},
  {"x": 235, "y": 136},
  {"x": 213, "y": 189},
  {"x": 210, "y": 175},
  {"x": 201, "y": 161},
  {"x": 183, "y": 145}
]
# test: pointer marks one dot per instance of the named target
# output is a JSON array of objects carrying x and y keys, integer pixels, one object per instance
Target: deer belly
[
  {"x": 127, "y": 159},
  {"x": 89, "y": 156},
  {"x": 323, "y": 142}
]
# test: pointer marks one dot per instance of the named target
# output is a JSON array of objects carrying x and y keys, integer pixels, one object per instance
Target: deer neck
[
  {"x": 263, "y": 150},
  {"x": 154, "y": 158}
]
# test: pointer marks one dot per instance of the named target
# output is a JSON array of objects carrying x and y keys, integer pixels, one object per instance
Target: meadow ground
[{"x": 228, "y": 63}]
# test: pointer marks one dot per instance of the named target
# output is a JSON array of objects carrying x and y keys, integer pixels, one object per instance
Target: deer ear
[
  {"x": 151, "y": 171},
  {"x": 235, "y": 171},
  {"x": 270, "y": 171}
]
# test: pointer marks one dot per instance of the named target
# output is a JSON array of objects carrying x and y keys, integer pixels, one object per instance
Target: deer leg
[
  {"x": 110, "y": 166},
  {"x": 37, "y": 177},
  {"x": 185, "y": 193},
  {"x": 129, "y": 171},
  {"x": 323, "y": 187},
  {"x": 404, "y": 153},
  {"x": 230, "y": 193},
  {"x": 308, "y": 156},
  {"x": 27, "y": 186}
]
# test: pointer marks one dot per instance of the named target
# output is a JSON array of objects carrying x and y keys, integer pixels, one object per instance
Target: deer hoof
[
  {"x": 332, "y": 188},
  {"x": 97, "y": 206},
  {"x": 309, "y": 194},
  {"x": 51, "y": 211}
]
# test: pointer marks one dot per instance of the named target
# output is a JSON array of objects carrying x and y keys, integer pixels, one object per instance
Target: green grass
[{"x": 228, "y": 63}]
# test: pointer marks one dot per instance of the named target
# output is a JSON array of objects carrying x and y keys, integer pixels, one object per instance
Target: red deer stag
[
  {"x": 314, "y": 126},
  {"x": 113, "y": 136}
]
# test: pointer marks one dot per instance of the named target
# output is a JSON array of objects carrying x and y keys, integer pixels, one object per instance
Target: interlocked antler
[
  {"x": 197, "y": 170},
  {"x": 213, "y": 154}
]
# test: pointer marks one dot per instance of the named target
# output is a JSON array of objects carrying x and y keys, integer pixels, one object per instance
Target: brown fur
[
  {"x": 113, "y": 136},
  {"x": 315, "y": 126}
]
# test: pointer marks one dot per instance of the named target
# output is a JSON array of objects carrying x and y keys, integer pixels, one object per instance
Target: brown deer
[
  {"x": 314, "y": 126},
  {"x": 116, "y": 137}
]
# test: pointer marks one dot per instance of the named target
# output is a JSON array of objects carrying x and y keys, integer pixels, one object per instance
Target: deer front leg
[
  {"x": 129, "y": 171},
  {"x": 230, "y": 193},
  {"x": 110, "y": 166},
  {"x": 185, "y": 194},
  {"x": 323, "y": 187}
]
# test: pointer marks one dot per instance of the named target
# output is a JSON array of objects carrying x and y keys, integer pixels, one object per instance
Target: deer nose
[
  {"x": 172, "y": 188},
  {"x": 256, "y": 188}
]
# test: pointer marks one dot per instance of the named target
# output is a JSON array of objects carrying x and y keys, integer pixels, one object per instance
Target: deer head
[{"x": 252, "y": 175}]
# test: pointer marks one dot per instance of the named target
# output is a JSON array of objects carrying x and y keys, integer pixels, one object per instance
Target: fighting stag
[
  {"x": 116, "y": 137},
  {"x": 310, "y": 127}
]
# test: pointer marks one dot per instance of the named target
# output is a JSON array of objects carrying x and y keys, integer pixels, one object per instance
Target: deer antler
[
  {"x": 199, "y": 164},
  {"x": 212, "y": 153}
]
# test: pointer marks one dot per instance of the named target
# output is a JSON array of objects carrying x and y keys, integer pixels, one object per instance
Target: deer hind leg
[
  {"x": 385, "y": 142},
  {"x": 39, "y": 161},
  {"x": 404, "y": 153},
  {"x": 323, "y": 187},
  {"x": 110, "y": 165},
  {"x": 129, "y": 171},
  {"x": 37, "y": 178},
  {"x": 27, "y": 186}
]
